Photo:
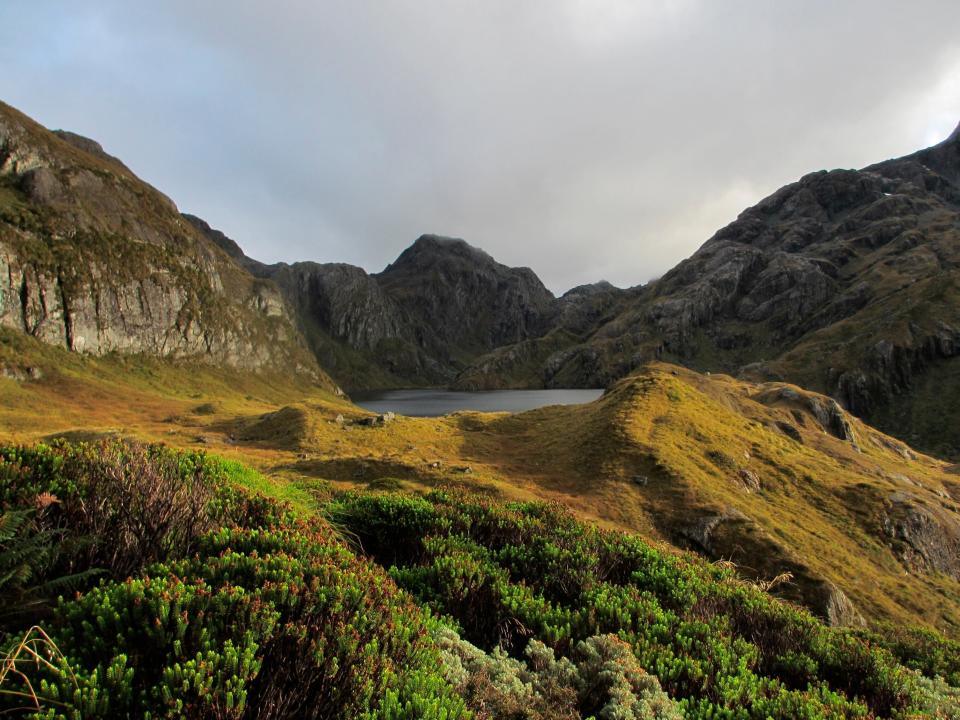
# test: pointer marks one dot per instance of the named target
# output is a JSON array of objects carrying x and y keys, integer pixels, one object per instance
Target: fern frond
[{"x": 10, "y": 523}]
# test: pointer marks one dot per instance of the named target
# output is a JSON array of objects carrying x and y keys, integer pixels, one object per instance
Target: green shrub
[
  {"x": 937, "y": 699},
  {"x": 133, "y": 503},
  {"x": 511, "y": 573},
  {"x": 919, "y": 649},
  {"x": 237, "y": 611},
  {"x": 215, "y": 603},
  {"x": 29, "y": 554}
]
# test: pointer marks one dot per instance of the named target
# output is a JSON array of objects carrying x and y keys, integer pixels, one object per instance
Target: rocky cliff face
[
  {"x": 97, "y": 261},
  {"x": 342, "y": 309},
  {"x": 558, "y": 358},
  {"x": 813, "y": 254},
  {"x": 464, "y": 301}
]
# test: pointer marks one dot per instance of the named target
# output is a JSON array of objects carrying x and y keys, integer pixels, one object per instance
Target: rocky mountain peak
[
  {"x": 588, "y": 290},
  {"x": 430, "y": 250},
  {"x": 440, "y": 282}
]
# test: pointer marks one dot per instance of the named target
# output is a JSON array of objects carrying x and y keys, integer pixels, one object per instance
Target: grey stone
[
  {"x": 750, "y": 480},
  {"x": 833, "y": 604},
  {"x": 924, "y": 538}
]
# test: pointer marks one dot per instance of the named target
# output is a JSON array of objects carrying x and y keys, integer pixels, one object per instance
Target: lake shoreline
[{"x": 430, "y": 402}]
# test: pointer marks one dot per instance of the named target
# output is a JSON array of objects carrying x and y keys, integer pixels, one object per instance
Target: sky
[{"x": 587, "y": 139}]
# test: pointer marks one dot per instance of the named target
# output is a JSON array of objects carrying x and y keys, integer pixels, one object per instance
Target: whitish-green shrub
[{"x": 602, "y": 679}]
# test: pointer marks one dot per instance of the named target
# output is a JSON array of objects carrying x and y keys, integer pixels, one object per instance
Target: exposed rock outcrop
[
  {"x": 732, "y": 536},
  {"x": 341, "y": 307},
  {"x": 463, "y": 301},
  {"x": 925, "y": 538},
  {"x": 834, "y": 605},
  {"x": 91, "y": 147},
  {"x": 344, "y": 300},
  {"x": 559, "y": 358},
  {"x": 97, "y": 261}
]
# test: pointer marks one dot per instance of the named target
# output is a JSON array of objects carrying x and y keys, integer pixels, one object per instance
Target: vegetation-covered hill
[
  {"x": 190, "y": 597},
  {"x": 767, "y": 476},
  {"x": 844, "y": 282}
]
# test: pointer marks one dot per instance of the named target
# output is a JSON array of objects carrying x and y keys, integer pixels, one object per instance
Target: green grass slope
[{"x": 184, "y": 595}]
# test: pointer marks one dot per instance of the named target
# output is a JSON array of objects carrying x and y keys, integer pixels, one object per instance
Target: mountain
[
  {"x": 440, "y": 305},
  {"x": 463, "y": 300},
  {"x": 95, "y": 260},
  {"x": 845, "y": 282}
]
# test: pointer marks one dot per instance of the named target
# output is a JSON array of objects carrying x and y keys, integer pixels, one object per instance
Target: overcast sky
[{"x": 586, "y": 139}]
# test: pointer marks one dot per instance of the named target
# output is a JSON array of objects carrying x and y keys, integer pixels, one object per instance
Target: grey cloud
[{"x": 595, "y": 139}]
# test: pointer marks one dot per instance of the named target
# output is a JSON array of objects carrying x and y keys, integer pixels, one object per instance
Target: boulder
[
  {"x": 750, "y": 480},
  {"x": 924, "y": 538},
  {"x": 831, "y": 603}
]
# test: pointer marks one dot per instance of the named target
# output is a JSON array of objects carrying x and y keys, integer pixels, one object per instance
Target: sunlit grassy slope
[{"x": 740, "y": 471}]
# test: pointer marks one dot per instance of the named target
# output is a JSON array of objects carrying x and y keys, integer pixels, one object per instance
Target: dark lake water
[{"x": 430, "y": 403}]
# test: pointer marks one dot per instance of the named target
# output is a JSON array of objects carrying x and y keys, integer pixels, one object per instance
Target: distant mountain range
[{"x": 845, "y": 282}]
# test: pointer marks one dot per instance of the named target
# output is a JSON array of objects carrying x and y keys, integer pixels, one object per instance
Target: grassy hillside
[
  {"x": 184, "y": 595},
  {"x": 738, "y": 472}
]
